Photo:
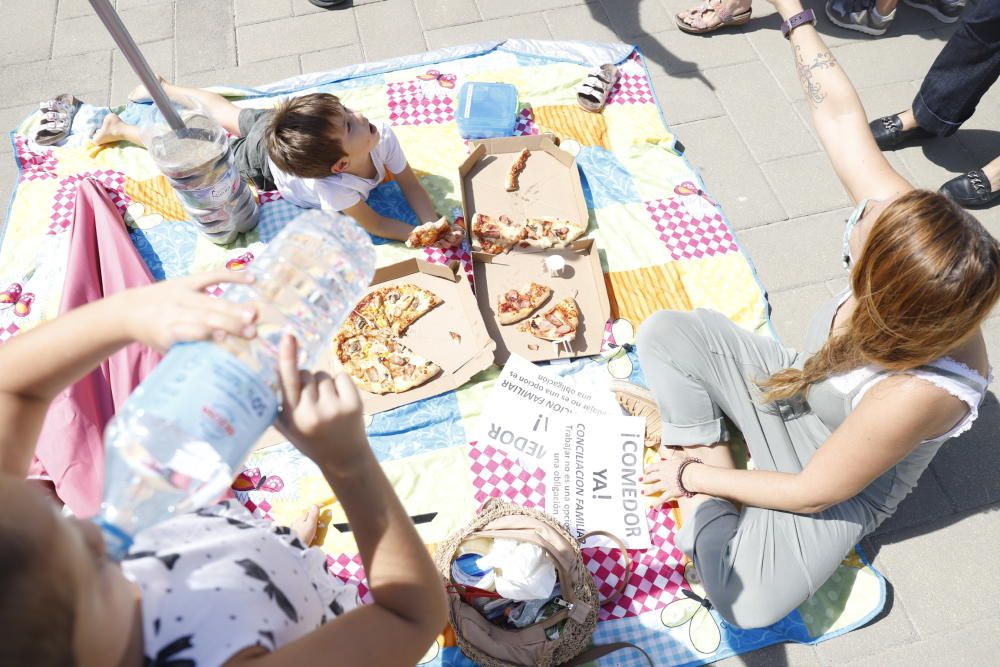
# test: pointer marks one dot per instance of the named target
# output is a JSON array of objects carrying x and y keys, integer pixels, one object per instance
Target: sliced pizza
[
  {"x": 496, "y": 235},
  {"x": 383, "y": 365},
  {"x": 516, "y": 304},
  {"x": 548, "y": 232},
  {"x": 406, "y": 303},
  {"x": 559, "y": 323},
  {"x": 516, "y": 167},
  {"x": 428, "y": 233}
]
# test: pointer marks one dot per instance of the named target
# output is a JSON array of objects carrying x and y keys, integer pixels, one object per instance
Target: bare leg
[
  {"x": 992, "y": 171},
  {"x": 218, "y": 107},
  {"x": 114, "y": 129},
  {"x": 885, "y": 7}
]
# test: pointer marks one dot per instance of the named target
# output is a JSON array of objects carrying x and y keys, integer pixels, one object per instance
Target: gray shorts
[{"x": 250, "y": 149}]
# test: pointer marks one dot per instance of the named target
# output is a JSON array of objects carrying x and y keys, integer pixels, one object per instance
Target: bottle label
[{"x": 211, "y": 395}]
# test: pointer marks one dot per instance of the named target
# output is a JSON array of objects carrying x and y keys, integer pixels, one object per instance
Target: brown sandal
[
  {"x": 699, "y": 26},
  {"x": 639, "y": 402}
]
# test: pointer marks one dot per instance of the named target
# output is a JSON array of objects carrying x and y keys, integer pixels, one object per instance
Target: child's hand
[
  {"x": 452, "y": 239},
  {"x": 179, "y": 310},
  {"x": 320, "y": 414}
]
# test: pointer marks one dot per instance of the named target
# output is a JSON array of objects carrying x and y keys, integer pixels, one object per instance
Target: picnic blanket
[{"x": 664, "y": 244}]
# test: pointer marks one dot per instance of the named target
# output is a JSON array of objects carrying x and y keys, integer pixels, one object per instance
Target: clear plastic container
[
  {"x": 176, "y": 443},
  {"x": 199, "y": 164},
  {"x": 486, "y": 110}
]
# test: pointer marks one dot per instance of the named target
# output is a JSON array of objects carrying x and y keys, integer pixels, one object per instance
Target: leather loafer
[
  {"x": 327, "y": 4},
  {"x": 889, "y": 133},
  {"x": 970, "y": 190}
]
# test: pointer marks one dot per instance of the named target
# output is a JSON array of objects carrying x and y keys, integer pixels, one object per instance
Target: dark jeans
[{"x": 962, "y": 73}]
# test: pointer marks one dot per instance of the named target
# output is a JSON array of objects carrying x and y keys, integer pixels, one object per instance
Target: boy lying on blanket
[
  {"x": 316, "y": 152},
  {"x": 215, "y": 586}
]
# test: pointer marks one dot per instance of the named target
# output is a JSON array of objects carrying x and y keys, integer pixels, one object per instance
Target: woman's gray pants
[{"x": 757, "y": 565}]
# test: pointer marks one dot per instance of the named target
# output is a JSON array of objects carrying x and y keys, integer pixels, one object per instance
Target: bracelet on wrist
[{"x": 680, "y": 475}]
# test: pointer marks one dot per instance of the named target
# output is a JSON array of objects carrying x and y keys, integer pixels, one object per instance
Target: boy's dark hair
[
  {"x": 37, "y": 605},
  {"x": 303, "y": 137}
]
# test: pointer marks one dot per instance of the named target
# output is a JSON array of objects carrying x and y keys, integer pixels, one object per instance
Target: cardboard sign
[
  {"x": 590, "y": 453},
  {"x": 592, "y": 476}
]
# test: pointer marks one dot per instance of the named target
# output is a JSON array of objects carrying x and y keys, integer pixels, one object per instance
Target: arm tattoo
[{"x": 821, "y": 61}]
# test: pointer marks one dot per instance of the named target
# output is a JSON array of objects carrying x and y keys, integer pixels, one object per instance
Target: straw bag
[{"x": 490, "y": 645}]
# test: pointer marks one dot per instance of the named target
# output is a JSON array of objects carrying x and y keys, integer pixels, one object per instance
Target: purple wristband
[{"x": 793, "y": 22}]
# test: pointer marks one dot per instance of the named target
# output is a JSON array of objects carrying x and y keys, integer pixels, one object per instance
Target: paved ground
[{"x": 734, "y": 101}]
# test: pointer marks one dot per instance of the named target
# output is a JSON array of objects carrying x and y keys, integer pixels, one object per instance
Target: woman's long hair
[{"x": 927, "y": 277}]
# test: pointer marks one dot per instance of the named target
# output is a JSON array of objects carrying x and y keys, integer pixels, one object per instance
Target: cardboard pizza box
[
  {"x": 430, "y": 336},
  {"x": 548, "y": 186},
  {"x": 582, "y": 279}
]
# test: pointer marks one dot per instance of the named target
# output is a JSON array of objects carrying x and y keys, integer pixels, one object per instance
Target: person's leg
[
  {"x": 965, "y": 69},
  {"x": 218, "y": 107},
  {"x": 113, "y": 129}
]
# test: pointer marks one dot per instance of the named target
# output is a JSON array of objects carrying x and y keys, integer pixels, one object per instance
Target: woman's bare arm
[{"x": 838, "y": 116}]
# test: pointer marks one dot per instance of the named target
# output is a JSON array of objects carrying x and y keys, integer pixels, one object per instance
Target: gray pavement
[{"x": 733, "y": 100}]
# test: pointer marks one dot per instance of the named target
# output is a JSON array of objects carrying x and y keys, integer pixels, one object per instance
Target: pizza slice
[
  {"x": 409, "y": 370},
  {"x": 548, "y": 232},
  {"x": 559, "y": 323},
  {"x": 428, "y": 233},
  {"x": 517, "y": 304},
  {"x": 496, "y": 235},
  {"x": 406, "y": 303},
  {"x": 516, "y": 167}
]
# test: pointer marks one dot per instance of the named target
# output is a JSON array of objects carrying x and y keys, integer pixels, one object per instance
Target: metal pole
[{"x": 138, "y": 62}]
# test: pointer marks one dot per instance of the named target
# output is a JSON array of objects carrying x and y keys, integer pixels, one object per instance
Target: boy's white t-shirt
[{"x": 337, "y": 192}]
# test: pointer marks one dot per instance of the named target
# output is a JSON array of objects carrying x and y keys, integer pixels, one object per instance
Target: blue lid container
[{"x": 486, "y": 110}]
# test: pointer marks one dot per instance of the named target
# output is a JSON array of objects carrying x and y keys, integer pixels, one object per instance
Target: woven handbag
[{"x": 490, "y": 645}]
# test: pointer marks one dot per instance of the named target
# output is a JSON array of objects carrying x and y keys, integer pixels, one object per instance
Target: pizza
[
  {"x": 548, "y": 232},
  {"x": 516, "y": 304},
  {"x": 496, "y": 235},
  {"x": 559, "y": 323},
  {"x": 381, "y": 364},
  {"x": 392, "y": 309},
  {"x": 516, "y": 167},
  {"x": 428, "y": 233}
]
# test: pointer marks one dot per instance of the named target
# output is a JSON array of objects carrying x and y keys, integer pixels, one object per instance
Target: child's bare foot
[
  {"x": 306, "y": 525},
  {"x": 139, "y": 93},
  {"x": 112, "y": 130}
]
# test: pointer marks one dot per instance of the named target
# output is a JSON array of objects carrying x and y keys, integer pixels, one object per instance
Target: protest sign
[
  {"x": 592, "y": 477},
  {"x": 575, "y": 432}
]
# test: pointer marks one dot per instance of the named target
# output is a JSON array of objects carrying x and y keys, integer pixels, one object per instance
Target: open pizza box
[
  {"x": 549, "y": 185},
  {"x": 460, "y": 357},
  {"x": 581, "y": 279}
]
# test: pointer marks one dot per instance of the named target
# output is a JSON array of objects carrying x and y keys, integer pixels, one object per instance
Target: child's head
[
  {"x": 62, "y": 602},
  {"x": 313, "y": 136}
]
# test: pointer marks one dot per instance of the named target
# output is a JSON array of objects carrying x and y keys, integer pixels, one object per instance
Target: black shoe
[
  {"x": 946, "y": 11},
  {"x": 889, "y": 133},
  {"x": 327, "y": 4},
  {"x": 970, "y": 190}
]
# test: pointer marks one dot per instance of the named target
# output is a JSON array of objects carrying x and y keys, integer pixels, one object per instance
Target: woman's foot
[
  {"x": 114, "y": 129},
  {"x": 140, "y": 94},
  {"x": 976, "y": 188},
  {"x": 895, "y": 130},
  {"x": 711, "y": 15},
  {"x": 307, "y": 525}
]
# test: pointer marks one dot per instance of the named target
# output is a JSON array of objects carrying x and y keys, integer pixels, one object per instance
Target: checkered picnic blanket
[{"x": 665, "y": 244}]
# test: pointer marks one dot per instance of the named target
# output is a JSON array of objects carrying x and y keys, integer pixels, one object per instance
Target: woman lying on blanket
[
  {"x": 216, "y": 587},
  {"x": 839, "y": 434}
]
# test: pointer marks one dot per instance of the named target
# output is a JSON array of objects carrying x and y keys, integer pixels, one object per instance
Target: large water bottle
[
  {"x": 199, "y": 163},
  {"x": 177, "y": 442}
]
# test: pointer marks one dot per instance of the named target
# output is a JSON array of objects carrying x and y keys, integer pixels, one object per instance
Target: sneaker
[
  {"x": 639, "y": 402},
  {"x": 970, "y": 190},
  {"x": 946, "y": 11},
  {"x": 844, "y": 13},
  {"x": 889, "y": 133}
]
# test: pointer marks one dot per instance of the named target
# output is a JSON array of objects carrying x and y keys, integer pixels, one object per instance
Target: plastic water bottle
[
  {"x": 199, "y": 164},
  {"x": 176, "y": 443}
]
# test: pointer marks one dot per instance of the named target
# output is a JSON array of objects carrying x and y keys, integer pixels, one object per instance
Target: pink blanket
[{"x": 102, "y": 261}]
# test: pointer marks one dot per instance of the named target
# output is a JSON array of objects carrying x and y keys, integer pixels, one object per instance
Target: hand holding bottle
[{"x": 179, "y": 310}]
